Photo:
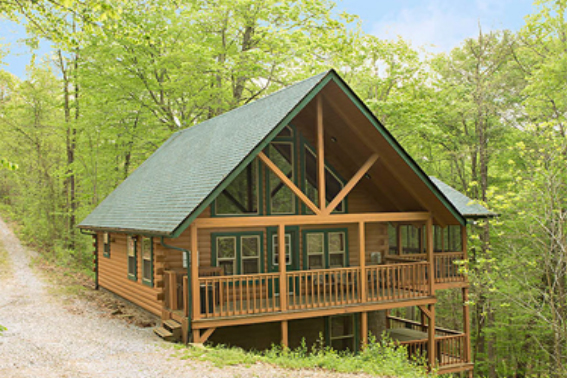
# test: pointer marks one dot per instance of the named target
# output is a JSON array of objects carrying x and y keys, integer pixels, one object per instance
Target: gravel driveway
[{"x": 45, "y": 340}]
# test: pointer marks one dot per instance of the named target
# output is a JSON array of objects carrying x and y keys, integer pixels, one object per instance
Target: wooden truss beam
[
  {"x": 321, "y": 187},
  {"x": 351, "y": 184},
  {"x": 298, "y": 220},
  {"x": 283, "y": 177}
]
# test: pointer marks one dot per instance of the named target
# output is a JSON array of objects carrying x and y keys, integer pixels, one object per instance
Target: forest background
[{"x": 489, "y": 118}]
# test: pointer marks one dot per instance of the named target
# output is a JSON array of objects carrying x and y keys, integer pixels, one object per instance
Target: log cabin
[{"x": 294, "y": 217}]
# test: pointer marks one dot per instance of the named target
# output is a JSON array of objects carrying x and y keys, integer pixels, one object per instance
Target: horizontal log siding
[{"x": 113, "y": 275}]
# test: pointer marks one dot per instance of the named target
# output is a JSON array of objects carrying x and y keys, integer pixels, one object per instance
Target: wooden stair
[{"x": 170, "y": 330}]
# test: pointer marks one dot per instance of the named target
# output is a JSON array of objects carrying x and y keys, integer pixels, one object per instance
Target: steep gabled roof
[
  {"x": 174, "y": 185},
  {"x": 168, "y": 187},
  {"x": 466, "y": 206}
]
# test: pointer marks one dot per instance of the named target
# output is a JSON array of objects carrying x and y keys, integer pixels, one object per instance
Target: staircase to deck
[{"x": 170, "y": 330}]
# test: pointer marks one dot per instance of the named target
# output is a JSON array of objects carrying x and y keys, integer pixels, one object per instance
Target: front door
[{"x": 291, "y": 252}]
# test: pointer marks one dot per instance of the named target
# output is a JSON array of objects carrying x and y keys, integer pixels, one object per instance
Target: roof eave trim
[
  {"x": 131, "y": 231},
  {"x": 252, "y": 155}
]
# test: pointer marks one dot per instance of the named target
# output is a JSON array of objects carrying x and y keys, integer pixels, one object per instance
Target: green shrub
[{"x": 378, "y": 358}]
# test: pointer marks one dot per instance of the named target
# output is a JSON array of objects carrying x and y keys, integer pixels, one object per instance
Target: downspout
[
  {"x": 189, "y": 288},
  {"x": 95, "y": 256}
]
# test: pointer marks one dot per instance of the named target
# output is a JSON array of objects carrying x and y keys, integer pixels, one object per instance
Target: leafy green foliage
[{"x": 379, "y": 359}]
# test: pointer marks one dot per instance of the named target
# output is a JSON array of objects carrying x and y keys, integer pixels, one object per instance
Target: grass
[{"x": 378, "y": 358}]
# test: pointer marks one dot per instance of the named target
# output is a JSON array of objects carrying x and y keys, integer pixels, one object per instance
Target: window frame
[
  {"x": 259, "y": 195},
  {"x": 238, "y": 260},
  {"x": 106, "y": 241},
  {"x": 132, "y": 242},
  {"x": 303, "y": 144},
  {"x": 326, "y": 252},
  {"x": 145, "y": 281}
]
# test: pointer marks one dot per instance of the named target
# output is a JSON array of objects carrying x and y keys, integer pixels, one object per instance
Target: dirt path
[{"x": 45, "y": 340}]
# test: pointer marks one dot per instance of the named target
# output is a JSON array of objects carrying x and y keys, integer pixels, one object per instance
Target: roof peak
[{"x": 261, "y": 99}]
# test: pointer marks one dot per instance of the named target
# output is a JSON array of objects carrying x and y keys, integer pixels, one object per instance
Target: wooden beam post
[
  {"x": 283, "y": 177},
  {"x": 351, "y": 184},
  {"x": 431, "y": 344},
  {"x": 364, "y": 328},
  {"x": 285, "y": 337},
  {"x": 196, "y": 336},
  {"x": 388, "y": 323},
  {"x": 362, "y": 260},
  {"x": 430, "y": 256},
  {"x": 196, "y": 294},
  {"x": 282, "y": 268},
  {"x": 321, "y": 155}
]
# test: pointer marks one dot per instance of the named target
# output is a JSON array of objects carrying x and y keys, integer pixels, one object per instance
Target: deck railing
[
  {"x": 450, "y": 346},
  {"x": 395, "y": 322},
  {"x": 224, "y": 296},
  {"x": 238, "y": 295},
  {"x": 447, "y": 267},
  {"x": 397, "y": 281},
  {"x": 323, "y": 288}
]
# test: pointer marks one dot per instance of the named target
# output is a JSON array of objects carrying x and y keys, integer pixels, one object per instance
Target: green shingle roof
[
  {"x": 168, "y": 187},
  {"x": 462, "y": 203},
  {"x": 184, "y": 175}
]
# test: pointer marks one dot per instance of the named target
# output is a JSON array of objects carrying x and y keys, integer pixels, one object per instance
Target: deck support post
[
  {"x": 362, "y": 260},
  {"x": 364, "y": 328},
  {"x": 467, "y": 325},
  {"x": 321, "y": 155},
  {"x": 282, "y": 269},
  {"x": 431, "y": 337},
  {"x": 388, "y": 323},
  {"x": 285, "y": 338},
  {"x": 430, "y": 257},
  {"x": 196, "y": 295}
]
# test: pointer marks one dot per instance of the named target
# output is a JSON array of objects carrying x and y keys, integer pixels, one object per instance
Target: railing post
[
  {"x": 362, "y": 261},
  {"x": 195, "y": 274},
  {"x": 282, "y": 267},
  {"x": 430, "y": 257}
]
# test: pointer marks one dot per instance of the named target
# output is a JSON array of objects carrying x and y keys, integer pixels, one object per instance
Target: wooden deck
[{"x": 451, "y": 347}]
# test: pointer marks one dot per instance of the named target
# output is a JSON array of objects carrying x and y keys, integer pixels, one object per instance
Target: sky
[{"x": 438, "y": 25}]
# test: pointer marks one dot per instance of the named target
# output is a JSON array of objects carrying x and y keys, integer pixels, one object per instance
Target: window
[
  {"x": 315, "y": 250},
  {"x": 106, "y": 244},
  {"x": 281, "y": 198},
  {"x": 275, "y": 252},
  {"x": 238, "y": 253},
  {"x": 310, "y": 181},
  {"x": 132, "y": 258},
  {"x": 342, "y": 332},
  {"x": 147, "y": 261},
  {"x": 337, "y": 249},
  {"x": 325, "y": 249},
  {"x": 241, "y": 197},
  {"x": 250, "y": 250},
  {"x": 226, "y": 254}
]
